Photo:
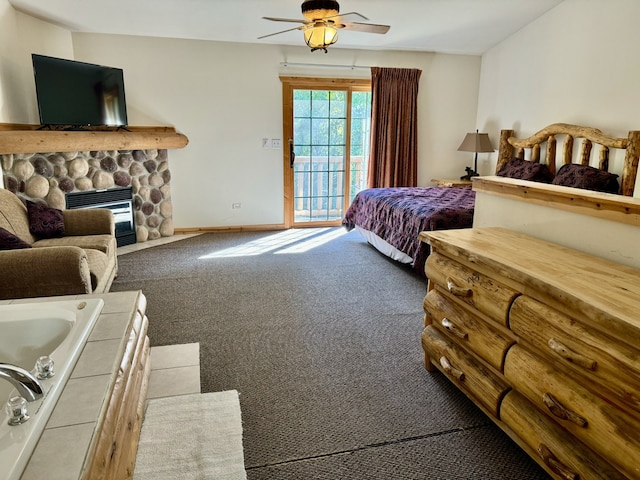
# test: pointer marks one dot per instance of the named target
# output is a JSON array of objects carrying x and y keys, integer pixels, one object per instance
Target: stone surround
[{"x": 47, "y": 177}]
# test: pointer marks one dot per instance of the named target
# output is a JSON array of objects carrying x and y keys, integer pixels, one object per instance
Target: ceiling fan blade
[
  {"x": 365, "y": 27},
  {"x": 276, "y": 19},
  {"x": 341, "y": 18},
  {"x": 301, "y": 27}
]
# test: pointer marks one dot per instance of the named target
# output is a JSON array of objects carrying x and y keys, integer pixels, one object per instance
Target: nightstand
[{"x": 450, "y": 182}]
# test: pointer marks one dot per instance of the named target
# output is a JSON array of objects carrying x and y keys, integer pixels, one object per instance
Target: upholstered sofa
[{"x": 47, "y": 252}]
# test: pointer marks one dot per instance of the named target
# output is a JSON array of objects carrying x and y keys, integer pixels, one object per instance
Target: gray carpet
[{"x": 324, "y": 348}]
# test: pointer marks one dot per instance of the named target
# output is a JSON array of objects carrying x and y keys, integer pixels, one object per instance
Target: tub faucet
[{"x": 25, "y": 382}]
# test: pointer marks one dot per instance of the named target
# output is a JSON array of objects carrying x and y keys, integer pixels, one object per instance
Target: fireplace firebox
[{"x": 118, "y": 200}]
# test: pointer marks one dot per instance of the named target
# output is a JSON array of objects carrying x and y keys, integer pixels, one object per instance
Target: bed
[{"x": 390, "y": 219}]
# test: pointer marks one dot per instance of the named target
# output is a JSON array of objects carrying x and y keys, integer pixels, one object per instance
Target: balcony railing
[{"x": 319, "y": 186}]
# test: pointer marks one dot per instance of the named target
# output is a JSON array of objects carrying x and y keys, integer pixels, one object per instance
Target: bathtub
[{"x": 27, "y": 331}]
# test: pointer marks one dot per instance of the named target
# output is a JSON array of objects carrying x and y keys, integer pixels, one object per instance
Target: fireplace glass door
[{"x": 118, "y": 200}]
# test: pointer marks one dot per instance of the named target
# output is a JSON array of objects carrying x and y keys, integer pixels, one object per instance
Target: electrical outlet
[
  {"x": 235, "y": 206},
  {"x": 276, "y": 143},
  {"x": 265, "y": 143}
]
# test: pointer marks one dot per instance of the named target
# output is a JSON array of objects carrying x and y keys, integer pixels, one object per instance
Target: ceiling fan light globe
[{"x": 320, "y": 37}]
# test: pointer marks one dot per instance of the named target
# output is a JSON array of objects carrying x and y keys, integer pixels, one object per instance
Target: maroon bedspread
[{"x": 398, "y": 215}]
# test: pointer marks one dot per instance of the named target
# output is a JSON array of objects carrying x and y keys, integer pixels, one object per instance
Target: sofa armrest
[
  {"x": 91, "y": 221},
  {"x": 44, "y": 272}
]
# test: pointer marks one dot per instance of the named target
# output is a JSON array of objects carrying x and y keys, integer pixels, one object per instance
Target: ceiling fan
[{"x": 322, "y": 22}]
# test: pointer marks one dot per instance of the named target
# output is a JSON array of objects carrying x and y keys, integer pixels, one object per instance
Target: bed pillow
[
  {"x": 8, "y": 241},
  {"x": 526, "y": 170},
  {"x": 44, "y": 221},
  {"x": 587, "y": 177}
]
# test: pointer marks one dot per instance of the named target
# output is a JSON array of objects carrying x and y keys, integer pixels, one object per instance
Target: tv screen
[{"x": 78, "y": 94}]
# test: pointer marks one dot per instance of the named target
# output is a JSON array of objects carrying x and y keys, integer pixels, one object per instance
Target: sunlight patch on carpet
[
  {"x": 314, "y": 242},
  {"x": 296, "y": 240}
]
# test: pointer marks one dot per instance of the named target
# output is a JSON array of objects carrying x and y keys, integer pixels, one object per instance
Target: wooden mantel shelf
[{"x": 26, "y": 138}]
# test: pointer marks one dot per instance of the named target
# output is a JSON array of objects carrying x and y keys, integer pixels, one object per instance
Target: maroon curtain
[{"x": 393, "y": 157}]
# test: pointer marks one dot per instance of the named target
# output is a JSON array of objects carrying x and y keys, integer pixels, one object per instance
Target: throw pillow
[
  {"x": 8, "y": 241},
  {"x": 44, "y": 221},
  {"x": 587, "y": 177},
  {"x": 526, "y": 170}
]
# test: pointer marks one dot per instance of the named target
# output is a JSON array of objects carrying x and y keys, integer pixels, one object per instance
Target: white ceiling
[{"x": 447, "y": 26}]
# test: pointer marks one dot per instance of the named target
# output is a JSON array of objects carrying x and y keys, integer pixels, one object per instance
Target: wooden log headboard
[{"x": 511, "y": 147}]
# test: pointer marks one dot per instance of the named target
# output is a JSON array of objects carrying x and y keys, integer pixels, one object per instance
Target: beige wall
[
  {"x": 575, "y": 64},
  {"x": 20, "y": 35},
  {"x": 226, "y": 97},
  {"x": 605, "y": 238}
]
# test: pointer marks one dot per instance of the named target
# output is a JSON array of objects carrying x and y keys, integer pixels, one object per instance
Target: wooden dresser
[{"x": 545, "y": 340}]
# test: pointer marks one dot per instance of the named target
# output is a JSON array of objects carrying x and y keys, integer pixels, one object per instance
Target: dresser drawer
[
  {"x": 465, "y": 326},
  {"x": 557, "y": 448},
  {"x": 468, "y": 373},
  {"x": 483, "y": 293},
  {"x": 598, "y": 423},
  {"x": 594, "y": 355}
]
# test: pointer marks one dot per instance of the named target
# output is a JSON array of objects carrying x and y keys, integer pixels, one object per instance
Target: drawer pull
[
  {"x": 571, "y": 356},
  {"x": 451, "y": 327},
  {"x": 555, "y": 465},
  {"x": 446, "y": 365},
  {"x": 456, "y": 290},
  {"x": 560, "y": 411}
]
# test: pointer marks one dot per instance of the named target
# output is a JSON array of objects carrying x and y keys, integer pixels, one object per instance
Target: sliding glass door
[{"x": 326, "y": 126}]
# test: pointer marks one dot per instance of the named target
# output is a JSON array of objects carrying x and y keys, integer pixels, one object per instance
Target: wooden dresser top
[{"x": 603, "y": 293}]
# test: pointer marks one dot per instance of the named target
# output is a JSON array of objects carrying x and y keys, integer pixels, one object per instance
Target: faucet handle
[
  {"x": 44, "y": 367},
  {"x": 16, "y": 409}
]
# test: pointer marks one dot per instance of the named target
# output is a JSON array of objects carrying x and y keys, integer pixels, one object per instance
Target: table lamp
[{"x": 475, "y": 142}]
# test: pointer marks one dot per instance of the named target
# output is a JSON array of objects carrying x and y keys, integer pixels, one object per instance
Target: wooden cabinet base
[{"x": 115, "y": 450}]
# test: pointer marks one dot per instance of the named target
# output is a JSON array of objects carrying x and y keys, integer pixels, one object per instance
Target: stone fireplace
[
  {"x": 100, "y": 158},
  {"x": 49, "y": 177}
]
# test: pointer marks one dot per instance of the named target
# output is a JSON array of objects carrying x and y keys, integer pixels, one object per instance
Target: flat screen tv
[{"x": 77, "y": 94}]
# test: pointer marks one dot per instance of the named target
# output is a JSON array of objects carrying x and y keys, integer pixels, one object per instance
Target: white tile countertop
[{"x": 68, "y": 436}]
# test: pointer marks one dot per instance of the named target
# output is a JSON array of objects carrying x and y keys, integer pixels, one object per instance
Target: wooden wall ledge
[
  {"x": 25, "y": 138},
  {"x": 617, "y": 208}
]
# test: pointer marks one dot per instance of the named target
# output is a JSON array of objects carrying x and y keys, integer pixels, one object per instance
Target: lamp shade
[
  {"x": 320, "y": 37},
  {"x": 476, "y": 142}
]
